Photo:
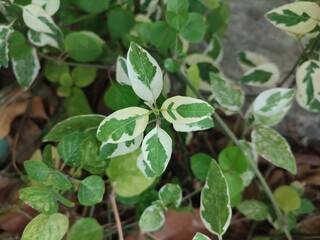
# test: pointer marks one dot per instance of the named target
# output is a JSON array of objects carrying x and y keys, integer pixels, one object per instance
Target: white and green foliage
[
  {"x": 263, "y": 75},
  {"x": 271, "y": 106},
  {"x": 308, "y": 85},
  {"x": 215, "y": 208},
  {"x": 50, "y": 6},
  {"x": 122, "y": 71},
  {"x": 229, "y": 96},
  {"x": 297, "y": 18},
  {"x": 254, "y": 209},
  {"x": 152, "y": 219},
  {"x": 273, "y": 147},
  {"x": 200, "y": 236},
  {"x": 171, "y": 195},
  {"x": 249, "y": 59},
  {"x": 50, "y": 227},
  {"x": 215, "y": 49},
  {"x": 86, "y": 228},
  {"x": 196, "y": 126},
  {"x": 91, "y": 190},
  {"x": 5, "y": 33}
]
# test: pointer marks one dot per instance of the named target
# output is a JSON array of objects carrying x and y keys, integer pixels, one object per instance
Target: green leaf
[
  {"x": 271, "y": 106},
  {"x": 228, "y": 95},
  {"x": 264, "y": 75},
  {"x": 120, "y": 22},
  {"x": 171, "y": 195},
  {"x": 162, "y": 36},
  {"x": 233, "y": 159},
  {"x": 77, "y": 103},
  {"x": 49, "y": 227},
  {"x": 215, "y": 209},
  {"x": 37, "y": 170},
  {"x": 210, "y": 4},
  {"x": 200, "y": 164},
  {"x": 177, "y": 13},
  {"x": 157, "y": 150},
  {"x": 54, "y": 71},
  {"x": 123, "y": 125},
  {"x": 66, "y": 80},
  {"x": 60, "y": 181},
  {"x": 151, "y": 219},
  {"x": 308, "y": 88},
  {"x": 200, "y": 236},
  {"x": 287, "y": 199},
  {"x": 297, "y": 17},
  {"x": 144, "y": 73},
  {"x": 306, "y": 207},
  {"x": 122, "y": 71},
  {"x": 185, "y": 110},
  {"x": 84, "y": 46},
  {"x": 83, "y": 76},
  {"x": 253, "y": 209},
  {"x": 273, "y": 147},
  {"x": 218, "y": 19},
  {"x": 193, "y": 76},
  {"x": 196, "y": 126},
  {"x": 171, "y": 65},
  {"x": 111, "y": 150},
  {"x": 120, "y": 96},
  {"x": 43, "y": 199},
  {"x": 92, "y": 6},
  {"x": 194, "y": 29},
  {"x": 177, "y": 5},
  {"x": 86, "y": 228},
  {"x": 81, "y": 123},
  {"x": 91, "y": 190},
  {"x": 5, "y": 32},
  {"x": 127, "y": 177},
  {"x": 234, "y": 182}
]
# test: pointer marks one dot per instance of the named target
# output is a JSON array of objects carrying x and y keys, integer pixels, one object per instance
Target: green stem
[{"x": 252, "y": 163}]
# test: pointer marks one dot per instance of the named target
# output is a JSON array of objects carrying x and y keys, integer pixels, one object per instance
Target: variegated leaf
[
  {"x": 228, "y": 95},
  {"x": 271, "y": 106},
  {"x": 144, "y": 73},
  {"x": 122, "y": 71},
  {"x": 248, "y": 60},
  {"x": 144, "y": 168},
  {"x": 26, "y": 69},
  {"x": 215, "y": 208},
  {"x": 157, "y": 150},
  {"x": 198, "y": 58},
  {"x": 308, "y": 85},
  {"x": 215, "y": 49},
  {"x": 123, "y": 125},
  {"x": 196, "y": 126},
  {"x": 40, "y": 39},
  {"x": 264, "y": 75},
  {"x": 151, "y": 219},
  {"x": 200, "y": 236},
  {"x": 110, "y": 150},
  {"x": 171, "y": 195},
  {"x": 5, "y": 32},
  {"x": 185, "y": 110},
  {"x": 297, "y": 17},
  {"x": 51, "y": 6},
  {"x": 273, "y": 147}
]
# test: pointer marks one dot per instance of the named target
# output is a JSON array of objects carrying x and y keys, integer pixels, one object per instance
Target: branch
[{"x": 116, "y": 213}]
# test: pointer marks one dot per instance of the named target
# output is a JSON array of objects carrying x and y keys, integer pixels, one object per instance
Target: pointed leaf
[
  {"x": 264, "y": 75},
  {"x": 151, "y": 219},
  {"x": 50, "y": 6},
  {"x": 37, "y": 170},
  {"x": 273, "y": 147},
  {"x": 215, "y": 209},
  {"x": 227, "y": 94},
  {"x": 171, "y": 195},
  {"x": 254, "y": 210},
  {"x": 200, "y": 236},
  {"x": 308, "y": 87},
  {"x": 196, "y": 126},
  {"x": 49, "y": 227},
  {"x": 111, "y": 150},
  {"x": 60, "y": 181},
  {"x": 271, "y": 106},
  {"x": 91, "y": 190},
  {"x": 185, "y": 110},
  {"x": 86, "y": 228},
  {"x": 122, "y": 71},
  {"x": 5, "y": 33},
  {"x": 249, "y": 59},
  {"x": 144, "y": 73},
  {"x": 144, "y": 168},
  {"x": 297, "y": 17},
  {"x": 157, "y": 150},
  {"x": 40, "y": 39},
  {"x": 123, "y": 125}
]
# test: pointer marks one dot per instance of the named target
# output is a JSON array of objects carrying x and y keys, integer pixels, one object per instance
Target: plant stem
[
  {"x": 116, "y": 213},
  {"x": 251, "y": 161}
]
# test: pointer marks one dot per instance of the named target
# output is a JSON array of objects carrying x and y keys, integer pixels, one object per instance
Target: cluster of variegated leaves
[
  {"x": 299, "y": 20},
  {"x": 42, "y": 31}
]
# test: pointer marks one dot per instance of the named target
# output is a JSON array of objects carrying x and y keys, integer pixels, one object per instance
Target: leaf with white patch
[
  {"x": 144, "y": 73},
  {"x": 185, "y": 110},
  {"x": 196, "y": 126},
  {"x": 157, "y": 150},
  {"x": 200, "y": 236},
  {"x": 254, "y": 209},
  {"x": 215, "y": 49},
  {"x": 273, "y": 147},
  {"x": 5, "y": 32},
  {"x": 40, "y": 39},
  {"x": 248, "y": 60},
  {"x": 297, "y": 17},
  {"x": 171, "y": 195},
  {"x": 215, "y": 208},
  {"x": 123, "y": 125},
  {"x": 151, "y": 219},
  {"x": 91, "y": 190},
  {"x": 308, "y": 85},
  {"x": 122, "y": 71},
  {"x": 26, "y": 68},
  {"x": 110, "y": 150},
  {"x": 50, "y": 6},
  {"x": 144, "y": 168},
  {"x": 228, "y": 95},
  {"x": 271, "y": 106},
  {"x": 264, "y": 75}
]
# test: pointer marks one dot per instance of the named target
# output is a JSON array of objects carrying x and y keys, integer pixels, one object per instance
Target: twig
[{"x": 116, "y": 213}]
